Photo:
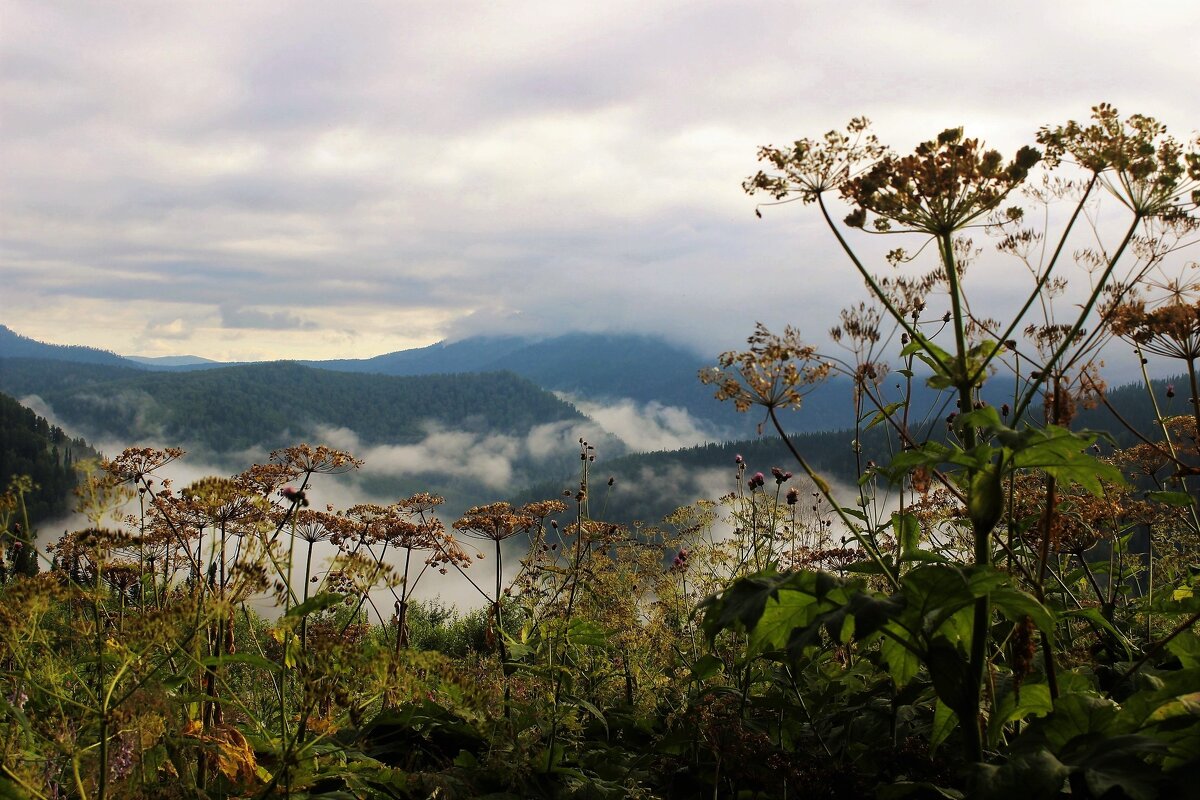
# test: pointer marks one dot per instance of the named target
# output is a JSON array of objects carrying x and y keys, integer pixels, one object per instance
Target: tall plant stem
[
  {"x": 823, "y": 487},
  {"x": 969, "y": 714},
  {"x": 1051, "y": 364}
]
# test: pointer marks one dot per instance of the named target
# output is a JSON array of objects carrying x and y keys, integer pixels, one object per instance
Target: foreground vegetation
[{"x": 1003, "y": 604}]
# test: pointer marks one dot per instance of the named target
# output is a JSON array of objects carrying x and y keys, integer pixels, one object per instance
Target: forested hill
[
  {"x": 648, "y": 486},
  {"x": 14, "y": 345},
  {"x": 276, "y": 404},
  {"x": 29, "y": 445}
]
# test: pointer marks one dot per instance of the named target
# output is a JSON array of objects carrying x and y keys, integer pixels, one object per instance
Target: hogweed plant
[{"x": 976, "y": 627}]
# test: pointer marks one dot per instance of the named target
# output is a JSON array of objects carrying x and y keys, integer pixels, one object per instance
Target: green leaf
[
  {"x": 1182, "y": 499},
  {"x": 884, "y": 414},
  {"x": 903, "y": 664},
  {"x": 590, "y": 708},
  {"x": 944, "y": 723},
  {"x": 292, "y": 652},
  {"x": 1098, "y": 619},
  {"x": 742, "y": 603},
  {"x": 1015, "y": 605},
  {"x": 1017, "y": 704},
  {"x": 1186, "y": 647},
  {"x": 240, "y": 658},
  {"x": 783, "y": 614},
  {"x": 706, "y": 667},
  {"x": 316, "y": 603},
  {"x": 585, "y": 633},
  {"x": 950, "y": 671},
  {"x": 1063, "y": 454},
  {"x": 1078, "y": 715},
  {"x": 908, "y": 534},
  {"x": 1031, "y": 776},
  {"x": 985, "y": 501}
]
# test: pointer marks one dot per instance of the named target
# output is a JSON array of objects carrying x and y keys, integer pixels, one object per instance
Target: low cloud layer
[{"x": 648, "y": 427}]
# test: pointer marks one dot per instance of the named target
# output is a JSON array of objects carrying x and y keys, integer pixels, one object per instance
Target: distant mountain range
[
  {"x": 468, "y": 418},
  {"x": 14, "y": 345},
  {"x": 600, "y": 368}
]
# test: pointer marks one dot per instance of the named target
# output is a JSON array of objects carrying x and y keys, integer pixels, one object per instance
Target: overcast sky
[{"x": 258, "y": 179}]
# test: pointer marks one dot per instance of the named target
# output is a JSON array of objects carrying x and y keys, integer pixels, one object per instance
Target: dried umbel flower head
[
  {"x": 541, "y": 509},
  {"x": 420, "y": 503},
  {"x": 496, "y": 521},
  {"x": 319, "y": 526},
  {"x": 776, "y": 372},
  {"x": 810, "y": 167},
  {"x": 266, "y": 479},
  {"x": 1172, "y": 330},
  {"x": 306, "y": 459},
  {"x": 136, "y": 462},
  {"x": 1145, "y": 169},
  {"x": 945, "y": 185},
  {"x": 392, "y": 525},
  {"x": 222, "y": 501}
]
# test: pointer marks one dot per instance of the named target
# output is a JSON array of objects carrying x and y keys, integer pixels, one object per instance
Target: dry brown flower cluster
[
  {"x": 1171, "y": 330},
  {"x": 809, "y": 167},
  {"x": 776, "y": 372},
  {"x": 1144, "y": 168},
  {"x": 307, "y": 459},
  {"x": 946, "y": 184}
]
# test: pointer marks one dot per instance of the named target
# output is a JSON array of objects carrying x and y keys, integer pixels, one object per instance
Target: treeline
[
  {"x": 276, "y": 404},
  {"x": 648, "y": 486},
  {"x": 29, "y": 445}
]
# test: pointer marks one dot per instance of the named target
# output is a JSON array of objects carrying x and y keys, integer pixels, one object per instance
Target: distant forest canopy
[
  {"x": 231, "y": 409},
  {"x": 277, "y": 404},
  {"x": 648, "y": 486},
  {"x": 14, "y": 345},
  {"x": 29, "y": 445}
]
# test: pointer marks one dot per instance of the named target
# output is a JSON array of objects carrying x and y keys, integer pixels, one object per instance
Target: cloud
[
  {"x": 647, "y": 427},
  {"x": 233, "y": 316},
  {"x": 500, "y": 462},
  {"x": 177, "y": 329}
]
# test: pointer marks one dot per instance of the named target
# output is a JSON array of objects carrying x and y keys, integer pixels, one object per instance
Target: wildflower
[
  {"x": 776, "y": 372},
  {"x": 942, "y": 187},
  {"x": 793, "y": 496},
  {"x": 808, "y": 168},
  {"x": 738, "y": 459},
  {"x": 134, "y": 463},
  {"x": 497, "y": 521},
  {"x": 1170, "y": 390},
  {"x": 1171, "y": 330},
  {"x": 1135, "y": 160},
  {"x": 320, "y": 459}
]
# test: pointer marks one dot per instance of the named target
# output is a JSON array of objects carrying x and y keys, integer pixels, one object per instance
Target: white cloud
[{"x": 647, "y": 427}]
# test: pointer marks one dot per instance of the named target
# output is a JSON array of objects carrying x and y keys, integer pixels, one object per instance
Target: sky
[{"x": 257, "y": 180}]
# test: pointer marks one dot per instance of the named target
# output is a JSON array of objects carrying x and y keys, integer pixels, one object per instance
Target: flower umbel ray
[{"x": 776, "y": 372}]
